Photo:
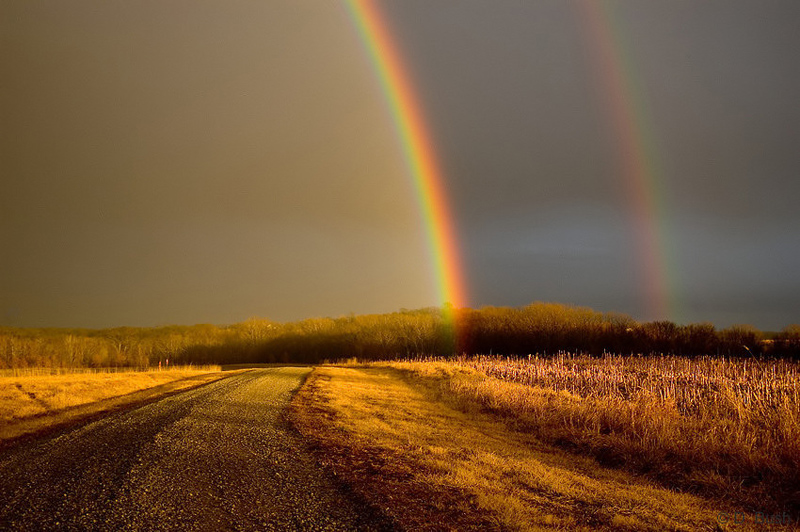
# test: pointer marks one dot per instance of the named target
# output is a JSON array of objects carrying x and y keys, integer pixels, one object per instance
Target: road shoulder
[{"x": 430, "y": 466}]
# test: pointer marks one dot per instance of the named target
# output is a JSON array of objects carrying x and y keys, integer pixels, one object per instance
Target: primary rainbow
[
  {"x": 408, "y": 119},
  {"x": 638, "y": 158}
]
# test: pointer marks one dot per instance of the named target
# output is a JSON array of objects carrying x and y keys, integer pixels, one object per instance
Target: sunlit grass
[
  {"x": 404, "y": 430},
  {"x": 34, "y": 400},
  {"x": 46, "y": 371},
  {"x": 730, "y": 428}
]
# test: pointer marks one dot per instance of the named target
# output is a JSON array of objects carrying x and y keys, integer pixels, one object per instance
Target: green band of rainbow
[
  {"x": 638, "y": 158},
  {"x": 408, "y": 118}
]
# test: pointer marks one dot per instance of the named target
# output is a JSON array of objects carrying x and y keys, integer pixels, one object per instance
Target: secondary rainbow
[
  {"x": 638, "y": 158},
  {"x": 408, "y": 118}
]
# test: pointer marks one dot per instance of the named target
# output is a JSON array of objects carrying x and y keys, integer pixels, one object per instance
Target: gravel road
[{"x": 218, "y": 457}]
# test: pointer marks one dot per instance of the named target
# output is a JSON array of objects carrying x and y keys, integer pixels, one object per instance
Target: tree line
[{"x": 539, "y": 328}]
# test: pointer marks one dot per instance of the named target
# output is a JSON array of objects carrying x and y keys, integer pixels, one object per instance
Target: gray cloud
[{"x": 183, "y": 162}]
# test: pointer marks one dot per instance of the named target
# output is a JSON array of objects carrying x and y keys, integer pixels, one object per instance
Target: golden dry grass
[
  {"x": 52, "y": 371},
  {"x": 33, "y": 403},
  {"x": 521, "y": 482},
  {"x": 726, "y": 428}
]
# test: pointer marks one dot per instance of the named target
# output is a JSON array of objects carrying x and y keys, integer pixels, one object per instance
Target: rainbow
[
  {"x": 638, "y": 158},
  {"x": 408, "y": 118}
]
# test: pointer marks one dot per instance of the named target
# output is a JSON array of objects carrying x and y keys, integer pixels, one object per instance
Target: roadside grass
[
  {"x": 726, "y": 429},
  {"x": 30, "y": 404},
  {"x": 429, "y": 463},
  {"x": 50, "y": 371}
]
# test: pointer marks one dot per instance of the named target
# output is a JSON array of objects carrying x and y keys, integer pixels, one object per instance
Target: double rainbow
[{"x": 639, "y": 167}]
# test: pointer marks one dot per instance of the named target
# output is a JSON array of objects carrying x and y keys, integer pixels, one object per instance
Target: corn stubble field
[{"x": 719, "y": 427}]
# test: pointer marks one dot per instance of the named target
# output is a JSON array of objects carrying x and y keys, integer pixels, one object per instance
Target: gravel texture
[{"x": 217, "y": 457}]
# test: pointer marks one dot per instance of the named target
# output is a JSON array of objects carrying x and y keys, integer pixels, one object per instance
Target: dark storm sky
[{"x": 184, "y": 162}]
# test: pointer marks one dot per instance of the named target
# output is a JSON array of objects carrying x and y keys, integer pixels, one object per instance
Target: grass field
[
  {"x": 570, "y": 443},
  {"x": 730, "y": 428},
  {"x": 36, "y": 399},
  {"x": 493, "y": 443},
  {"x": 431, "y": 458}
]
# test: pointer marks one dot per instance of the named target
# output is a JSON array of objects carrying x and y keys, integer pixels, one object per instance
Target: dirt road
[{"x": 218, "y": 457}]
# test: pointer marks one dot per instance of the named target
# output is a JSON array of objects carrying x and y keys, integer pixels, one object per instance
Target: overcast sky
[{"x": 187, "y": 162}]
